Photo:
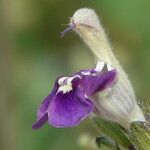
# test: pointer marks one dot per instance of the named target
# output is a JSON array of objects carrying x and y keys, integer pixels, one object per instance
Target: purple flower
[{"x": 69, "y": 102}]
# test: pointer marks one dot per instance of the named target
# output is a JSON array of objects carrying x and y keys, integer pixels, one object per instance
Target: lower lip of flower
[{"x": 69, "y": 101}]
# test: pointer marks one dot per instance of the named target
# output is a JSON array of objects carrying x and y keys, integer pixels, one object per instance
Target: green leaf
[
  {"x": 113, "y": 130},
  {"x": 140, "y": 135}
]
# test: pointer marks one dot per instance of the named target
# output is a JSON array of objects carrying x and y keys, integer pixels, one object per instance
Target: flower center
[{"x": 65, "y": 84}]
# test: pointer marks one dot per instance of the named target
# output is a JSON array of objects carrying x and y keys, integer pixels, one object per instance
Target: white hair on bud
[{"x": 87, "y": 17}]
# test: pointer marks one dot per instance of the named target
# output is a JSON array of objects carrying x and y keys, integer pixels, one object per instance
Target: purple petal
[
  {"x": 43, "y": 107},
  {"x": 92, "y": 84},
  {"x": 42, "y": 115},
  {"x": 39, "y": 123},
  {"x": 67, "y": 107},
  {"x": 67, "y": 110},
  {"x": 45, "y": 104}
]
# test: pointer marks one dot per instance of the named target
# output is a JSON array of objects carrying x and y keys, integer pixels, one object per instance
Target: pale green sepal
[{"x": 140, "y": 135}]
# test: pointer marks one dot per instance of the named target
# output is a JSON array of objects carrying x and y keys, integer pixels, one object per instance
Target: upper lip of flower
[
  {"x": 69, "y": 102},
  {"x": 70, "y": 27},
  {"x": 73, "y": 26}
]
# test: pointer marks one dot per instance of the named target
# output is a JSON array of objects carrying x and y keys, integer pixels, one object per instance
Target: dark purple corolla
[{"x": 69, "y": 102}]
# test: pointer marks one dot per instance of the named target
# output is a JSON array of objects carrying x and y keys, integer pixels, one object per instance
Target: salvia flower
[
  {"x": 71, "y": 98},
  {"x": 94, "y": 90},
  {"x": 117, "y": 104}
]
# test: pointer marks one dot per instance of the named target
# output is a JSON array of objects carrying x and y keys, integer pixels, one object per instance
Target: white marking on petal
[
  {"x": 77, "y": 76},
  {"x": 86, "y": 73},
  {"x": 94, "y": 74},
  {"x": 61, "y": 80},
  {"x": 109, "y": 67},
  {"x": 99, "y": 66},
  {"x": 65, "y": 84},
  {"x": 85, "y": 96},
  {"x": 65, "y": 88}
]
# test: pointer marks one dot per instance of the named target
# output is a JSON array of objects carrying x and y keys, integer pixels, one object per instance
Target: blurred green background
[{"x": 32, "y": 55}]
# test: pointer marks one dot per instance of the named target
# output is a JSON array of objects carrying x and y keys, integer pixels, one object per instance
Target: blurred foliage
[
  {"x": 32, "y": 55},
  {"x": 113, "y": 131}
]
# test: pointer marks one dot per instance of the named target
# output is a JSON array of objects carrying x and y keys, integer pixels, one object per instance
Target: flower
[
  {"x": 70, "y": 100},
  {"x": 74, "y": 98},
  {"x": 118, "y": 104}
]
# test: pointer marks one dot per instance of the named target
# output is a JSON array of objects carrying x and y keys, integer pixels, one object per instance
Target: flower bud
[{"x": 118, "y": 103}]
